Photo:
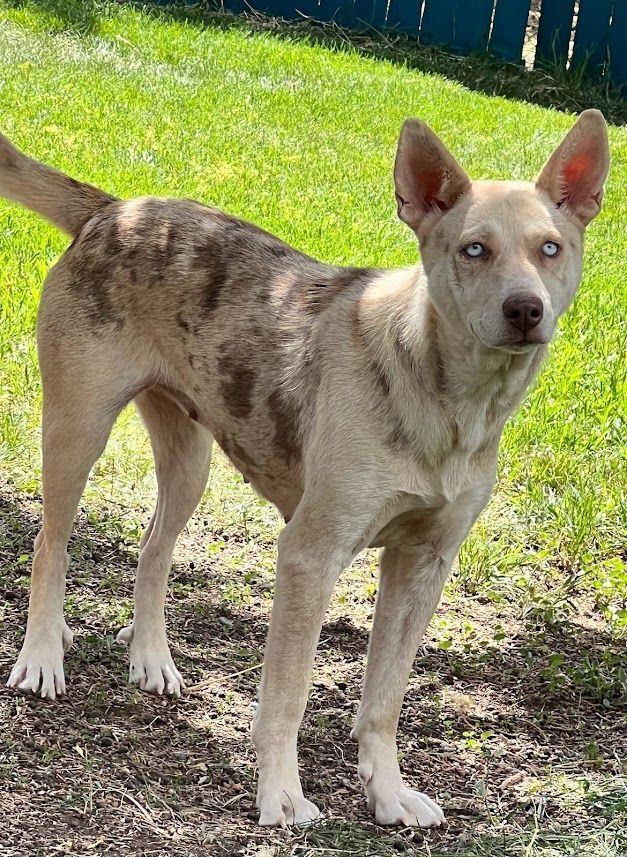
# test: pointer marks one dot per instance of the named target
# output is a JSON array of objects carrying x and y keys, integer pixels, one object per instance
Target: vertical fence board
[
  {"x": 618, "y": 44},
  {"x": 436, "y": 27},
  {"x": 472, "y": 25},
  {"x": 234, "y": 6},
  {"x": 357, "y": 13},
  {"x": 508, "y": 29},
  {"x": 556, "y": 18},
  {"x": 404, "y": 16},
  {"x": 461, "y": 25},
  {"x": 593, "y": 27}
]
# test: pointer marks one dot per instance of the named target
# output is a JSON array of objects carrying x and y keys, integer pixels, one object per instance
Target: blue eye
[
  {"x": 474, "y": 250},
  {"x": 550, "y": 248}
]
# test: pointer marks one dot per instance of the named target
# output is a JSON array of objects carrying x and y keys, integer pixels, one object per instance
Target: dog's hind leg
[
  {"x": 76, "y": 422},
  {"x": 182, "y": 451}
]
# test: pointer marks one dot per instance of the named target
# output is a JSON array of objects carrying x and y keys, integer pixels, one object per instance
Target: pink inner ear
[
  {"x": 580, "y": 178},
  {"x": 576, "y": 168}
]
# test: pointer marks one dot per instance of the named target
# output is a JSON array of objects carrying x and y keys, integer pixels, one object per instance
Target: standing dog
[{"x": 366, "y": 404}]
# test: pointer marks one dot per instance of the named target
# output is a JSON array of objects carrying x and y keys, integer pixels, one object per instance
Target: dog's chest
[
  {"x": 423, "y": 492},
  {"x": 456, "y": 453}
]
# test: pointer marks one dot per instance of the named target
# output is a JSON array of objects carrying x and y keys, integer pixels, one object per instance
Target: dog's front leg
[
  {"x": 411, "y": 582},
  {"x": 304, "y": 583},
  {"x": 313, "y": 549}
]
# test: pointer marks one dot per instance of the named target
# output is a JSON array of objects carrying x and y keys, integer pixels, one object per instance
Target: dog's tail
[{"x": 67, "y": 203}]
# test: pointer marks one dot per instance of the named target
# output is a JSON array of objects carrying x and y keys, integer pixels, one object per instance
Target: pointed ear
[
  {"x": 575, "y": 173},
  {"x": 426, "y": 176}
]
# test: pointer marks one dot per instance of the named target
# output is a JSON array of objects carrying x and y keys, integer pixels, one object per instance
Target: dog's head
[{"x": 503, "y": 258}]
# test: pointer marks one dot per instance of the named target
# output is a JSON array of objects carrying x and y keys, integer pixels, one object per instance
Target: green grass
[{"x": 300, "y": 137}]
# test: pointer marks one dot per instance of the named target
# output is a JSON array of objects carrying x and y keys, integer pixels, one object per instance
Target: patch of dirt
[{"x": 109, "y": 770}]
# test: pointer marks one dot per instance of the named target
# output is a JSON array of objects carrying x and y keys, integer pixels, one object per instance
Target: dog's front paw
[
  {"x": 281, "y": 809},
  {"x": 403, "y": 806},
  {"x": 151, "y": 667},
  {"x": 39, "y": 667}
]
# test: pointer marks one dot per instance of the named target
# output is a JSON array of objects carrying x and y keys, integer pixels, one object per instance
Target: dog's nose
[{"x": 523, "y": 313}]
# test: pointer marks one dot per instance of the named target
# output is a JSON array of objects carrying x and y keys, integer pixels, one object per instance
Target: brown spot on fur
[
  {"x": 209, "y": 258},
  {"x": 404, "y": 354},
  {"x": 223, "y": 443},
  {"x": 397, "y": 437},
  {"x": 171, "y": 244},
  {"x": 113, "y": 245},
  {"x": 237, "y": 384},
  {"x": 181, "y": 322},
  {"x": 237, "y": 455},
  {"x": 279, "y": 251},
  {"x": 285, "y": 418},
  {"x": 91, "y": 276},
  {"x": 356, "y": 326}
]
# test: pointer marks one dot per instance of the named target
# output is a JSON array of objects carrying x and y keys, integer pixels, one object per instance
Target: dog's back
[{"x": 226, "y": 318}]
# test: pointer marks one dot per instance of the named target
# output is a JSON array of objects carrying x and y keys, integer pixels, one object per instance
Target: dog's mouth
[
  {"x": 523, "y": 343},
  {"x": 516, "y": 347},
  {"x": 520, "y": 344}
]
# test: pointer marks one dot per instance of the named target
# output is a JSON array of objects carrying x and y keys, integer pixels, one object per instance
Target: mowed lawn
[{"x": 515, "y": 713}]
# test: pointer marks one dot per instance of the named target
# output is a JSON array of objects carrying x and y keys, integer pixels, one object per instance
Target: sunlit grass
[{"x": 300, "y": 139}]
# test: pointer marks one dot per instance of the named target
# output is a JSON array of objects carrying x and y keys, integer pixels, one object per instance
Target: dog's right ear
[{"x": 427, "y": 177}]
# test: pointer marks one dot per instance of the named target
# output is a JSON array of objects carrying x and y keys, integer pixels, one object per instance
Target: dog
[{"x": 366, "y": 404}]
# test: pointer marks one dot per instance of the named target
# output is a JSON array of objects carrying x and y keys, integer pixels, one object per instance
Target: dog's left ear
[
  {"x": 575, "y": 173},
  {"x": 427, "y": 177}
]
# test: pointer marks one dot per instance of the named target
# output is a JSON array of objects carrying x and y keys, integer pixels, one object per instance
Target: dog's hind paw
[
  {"x": 39, "y": 667},
  {"x": 152, "y": 667}
]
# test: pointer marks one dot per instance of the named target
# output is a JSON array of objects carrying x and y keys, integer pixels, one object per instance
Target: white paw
[
  {"x": 281, "y": 809},
  {"x": 151, "y": 667},
  {"x": 39, "y": 667},
  {"x": 406, "y": 807}
]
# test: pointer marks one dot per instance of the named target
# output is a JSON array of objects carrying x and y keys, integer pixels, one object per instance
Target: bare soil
[{"x": 109, "y": 770}]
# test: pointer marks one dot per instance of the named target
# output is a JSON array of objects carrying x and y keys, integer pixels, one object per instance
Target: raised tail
[{"x": 67, "y": 203}]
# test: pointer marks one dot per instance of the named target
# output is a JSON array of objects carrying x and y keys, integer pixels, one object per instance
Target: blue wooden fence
[{"x": 595, "y": 38}]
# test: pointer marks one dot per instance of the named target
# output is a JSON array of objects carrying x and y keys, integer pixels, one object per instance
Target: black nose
[{"x": 523, "y": 313}]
